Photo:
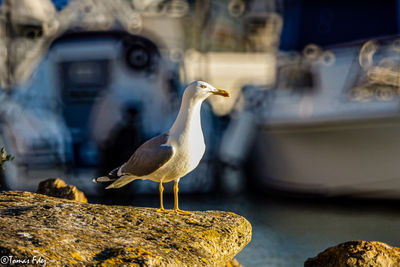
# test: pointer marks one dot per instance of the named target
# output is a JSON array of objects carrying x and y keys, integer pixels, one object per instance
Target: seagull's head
[{"x": 199, "y": 90}]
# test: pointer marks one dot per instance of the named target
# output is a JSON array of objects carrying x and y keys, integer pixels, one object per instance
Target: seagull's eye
[{"x": 203, "y": 86}]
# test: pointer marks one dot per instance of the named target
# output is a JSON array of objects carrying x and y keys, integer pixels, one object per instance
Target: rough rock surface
[
  {"x": 56, "y": 187},
  {"x": 65, "y": 232},
  {"x": 234, "y": 263},
  {"x": 357, "y": 253}
]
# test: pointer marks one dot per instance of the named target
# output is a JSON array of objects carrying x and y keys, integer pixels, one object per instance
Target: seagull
[{"x": 173, "y": 154}]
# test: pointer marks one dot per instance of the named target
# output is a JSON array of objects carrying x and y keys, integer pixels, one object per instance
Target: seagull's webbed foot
[
  {"x": 182, "y": 212},
  {"x": 162, "y": 210}
]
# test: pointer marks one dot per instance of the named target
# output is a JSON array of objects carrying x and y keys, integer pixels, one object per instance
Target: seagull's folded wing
[{"x": 148, "y": 157}]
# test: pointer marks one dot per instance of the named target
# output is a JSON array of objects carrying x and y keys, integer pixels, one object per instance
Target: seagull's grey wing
[{"x": 148, "y": 157}]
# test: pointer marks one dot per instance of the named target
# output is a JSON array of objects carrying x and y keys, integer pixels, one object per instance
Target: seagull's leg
[
  {"x": 161, "y": 209},
  {"x": 176, "y": 208}
]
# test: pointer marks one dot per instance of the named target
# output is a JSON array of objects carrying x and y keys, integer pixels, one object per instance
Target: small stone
[
  {"x": 56, "y": 187},
  {"x": 357, "y": 253},
  {"x": 27, "y": 235}
]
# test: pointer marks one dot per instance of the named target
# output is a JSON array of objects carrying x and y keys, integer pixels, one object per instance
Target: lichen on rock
[
  {"x": 357, "y": 253},
  {"x": 65, "y": 232}
]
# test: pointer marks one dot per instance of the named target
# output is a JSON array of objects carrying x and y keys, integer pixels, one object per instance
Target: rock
[
  {"x": 357, "y": 253},
  {"x": 56, "y": 187},
  {"x": 234, "y": 263},
  {"x": 65, "y": 232}
]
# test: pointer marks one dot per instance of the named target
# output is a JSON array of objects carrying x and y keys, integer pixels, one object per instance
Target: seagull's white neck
[{"x": 188, "y": 119}]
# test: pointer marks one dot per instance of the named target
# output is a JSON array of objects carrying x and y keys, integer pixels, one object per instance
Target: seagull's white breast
[
  {"x": 189, "y": 149},
  {"x": 194, "y": 148}
]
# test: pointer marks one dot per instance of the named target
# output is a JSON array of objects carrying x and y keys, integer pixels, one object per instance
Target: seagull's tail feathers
[
  {"x": 122, "y": 181},
  {"x": 103, "y": 179},
  {"x": 112, "y": 176}
]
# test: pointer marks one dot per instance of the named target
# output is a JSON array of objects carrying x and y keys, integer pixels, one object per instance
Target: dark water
[{"x": 287, "y": 231}]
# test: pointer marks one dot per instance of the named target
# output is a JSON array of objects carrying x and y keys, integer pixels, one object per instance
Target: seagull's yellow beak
[{"x": 220, "y": 92}]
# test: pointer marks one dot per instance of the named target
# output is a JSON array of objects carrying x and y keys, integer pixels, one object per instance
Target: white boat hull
[{"x": 357, "y": 159}]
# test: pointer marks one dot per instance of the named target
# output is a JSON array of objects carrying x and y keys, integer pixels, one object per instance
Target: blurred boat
[
  {"x": 337, "y": 135},
  {"x": 90, "y": 82}
]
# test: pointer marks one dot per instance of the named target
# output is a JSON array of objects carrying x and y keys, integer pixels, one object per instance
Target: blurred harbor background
[{"x": 306, "y": 148}]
